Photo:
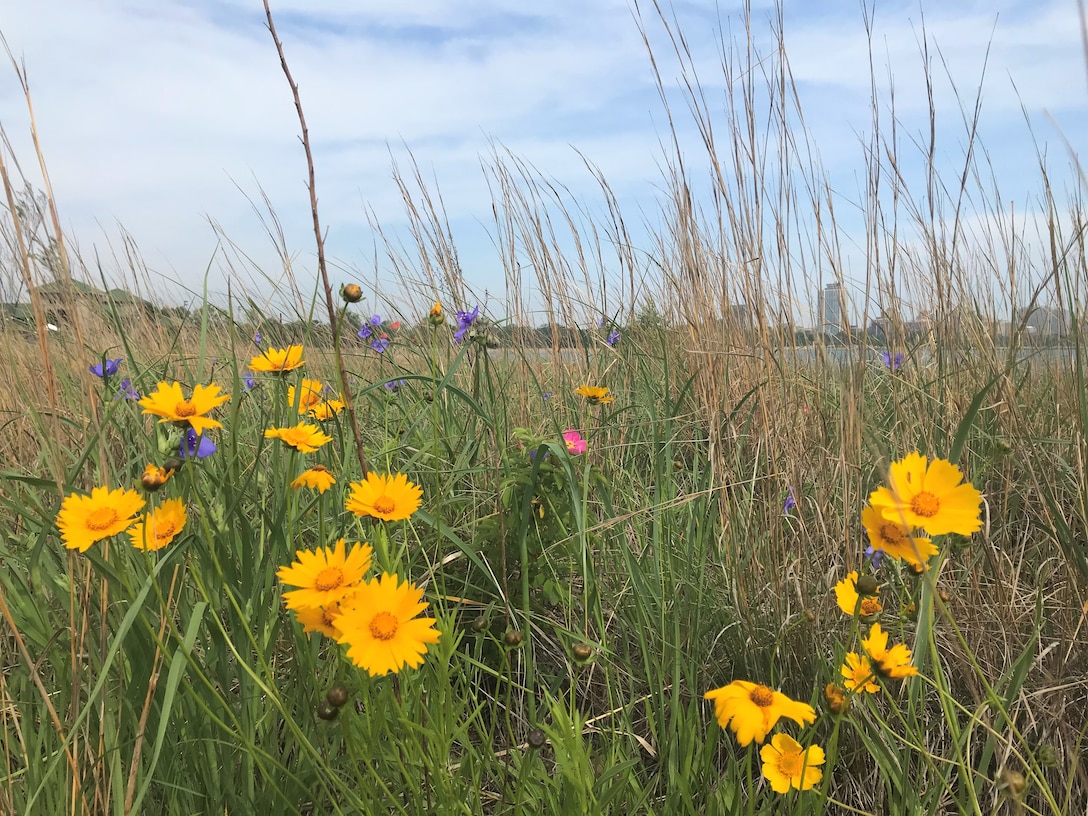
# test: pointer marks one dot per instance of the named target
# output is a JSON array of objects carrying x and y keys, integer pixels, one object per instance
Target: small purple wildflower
[
  {"x": 127, "y": 391},
  {"x": 790, "y": 503},
  {"x": 368, "y": 328},
  {"x": 248, "y": 382},
  {"x": 892, "y": 363},
  {"x": 380, "y": 344},
  {"x": 613, "y": 338},
  {"x": 106, "y": 369},
  {"x": 199, "y": 446},
  {"x": 257, "y": 339},
  {"x": 393, "y": 386},
  {"x": 547, "y": 395},
  {"x": 875, "y": 556},
  {"x": 464, "y": 321}
]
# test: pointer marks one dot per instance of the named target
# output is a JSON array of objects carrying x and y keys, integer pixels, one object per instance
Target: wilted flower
[
  {"x": 464, "y": 322},
  {"x": 155, "y": 477},
  {"x": 435, "y": 315},
  {"x": 106, "y": 368},
  {"x": 126, "y": 391}
]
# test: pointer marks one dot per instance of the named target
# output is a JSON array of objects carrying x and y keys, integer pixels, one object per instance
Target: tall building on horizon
[{"x": 829, "y": 308}]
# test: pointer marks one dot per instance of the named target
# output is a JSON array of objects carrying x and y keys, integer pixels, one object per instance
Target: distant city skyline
[{"x": 165, "y": 119}]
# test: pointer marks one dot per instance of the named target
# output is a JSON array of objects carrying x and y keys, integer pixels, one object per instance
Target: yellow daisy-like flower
[
  {"x": 317, "y": 477},
  {"x": 386, "y": 497},
  {"x": 85, "y": 520},
  {"x": 278, "y": 361},
  {"x": 893, "y": 663},
  {"x": 310, "y": 400},
  {"x": 380, "y": 627},
  {"x": 893, "y": 538},
  {"x": 168, "y": 402},
  {"x": 929, "y": 496},
  {"x": 435, "y": 314},
  {"x": 303, "y": 438},
  {"x": 319, "y": 619},
  {"x": 594, "y": 394},
  {"x": 846, "y": 594},
  {"x": 159, "y": 527},
  {"x": 155, "y": 477},
  {"x": 752, "y": 710},
  {"x": 326, "y": 576},
  {"x": 858, "y": 675},
  {"x": 786, "y": 764}
]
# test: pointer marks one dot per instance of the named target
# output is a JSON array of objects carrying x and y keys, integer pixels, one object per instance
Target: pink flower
[{"x": 575, "y": 443}]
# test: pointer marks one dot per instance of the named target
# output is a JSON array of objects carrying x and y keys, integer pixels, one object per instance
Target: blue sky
[{"x": 164, "y": 117}]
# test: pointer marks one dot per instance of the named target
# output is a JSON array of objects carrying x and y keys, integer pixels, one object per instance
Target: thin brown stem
[{"x": 349, "y": 401}]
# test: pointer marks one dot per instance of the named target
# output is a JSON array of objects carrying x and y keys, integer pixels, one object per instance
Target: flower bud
[
  {"x": 1012, "y": 782},
  {"x": 337, "y": 696},
  {"x": 512, "y": 638},
  {"x": 867, "y": 585},
  {"x": 435, "y": 316},
  {"x": 582, "y": 652},
  {"x": 351, "y": 293},
  {"x": 478, "y": 624},
  {"x": 536, "y": 739},
  {"x": 327, "y": 711}
]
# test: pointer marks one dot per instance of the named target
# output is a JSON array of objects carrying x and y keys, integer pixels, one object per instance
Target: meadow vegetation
[{"x": 426, "y": 572}]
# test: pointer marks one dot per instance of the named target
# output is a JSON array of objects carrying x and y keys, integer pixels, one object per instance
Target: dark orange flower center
[
  {"x": 383, "y": 626},
  {"x": 869, "y": 607},
  {"x": 310, "y": 398},
  {"x": 384, "y": 504},
  {"x": 925, "y": 504},
  {"x": 319, "y": 469},
  {"x": 185, "y": 408},
  {"x": 790, "y": 764},
  {"x": 891, "y": 534},
  {"x": 165, "y": 529},
  {"x": 761, "y": 696},
  {"x": 329, "y": 578},
  {"x": 102, "y": 519}
]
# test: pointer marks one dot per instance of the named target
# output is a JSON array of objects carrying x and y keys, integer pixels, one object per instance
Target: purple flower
[
  {"x": 198, "y": 446},
  {"x": 875, "y": 556},
  {"x": 547, "y": 395},
  {"x": 790, "y": 503},
  {"x": 393, "y": 386},
  {"x": 257, "y": 339},
  {"x": 106, "y": 369},
  {"x": 380, "y": 344},
  {"x": 127, "y": 391},
  {"x": 248, "y": 382},
  {"x": 892, "y": 363},
  {"x": 613, "y": 338},
  {"x": 368, "y": 328},
  {"x": 464, "y": 321}
]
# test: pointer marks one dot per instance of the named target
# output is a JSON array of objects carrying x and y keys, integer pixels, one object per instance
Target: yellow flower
[
  {"x": 311, "y": 400},
  {"x": 84, "y": 520},
  {"x": 929, "y": 496},
  {"x": 837, "y": 702},
  {"x": 846, "y": 594},
  {"x": 319, "y": 619},
  {"x": 896, "y": 540},
  {"x": 595, "y": 394},
  {"x": 325, "y": 576},
  {"x": 858, "y": 675},
  {"x": 435, "y": 315},
  {"x": 155, "y": 477},
  {"x": 168, "y": 402},
  {"x": 786, "y": 764},
  {"x": 317, "y": 477},
  {"x": 278, "y": 361},
  {"x": 159, "y": 527},
  {"x": 752, "y": 710},
  {"x": 303, "y": 438},
  {"x": 380, "y": 627},
  {"x": 893, "y": 663},
  {"x": 389, "y": 498}
]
